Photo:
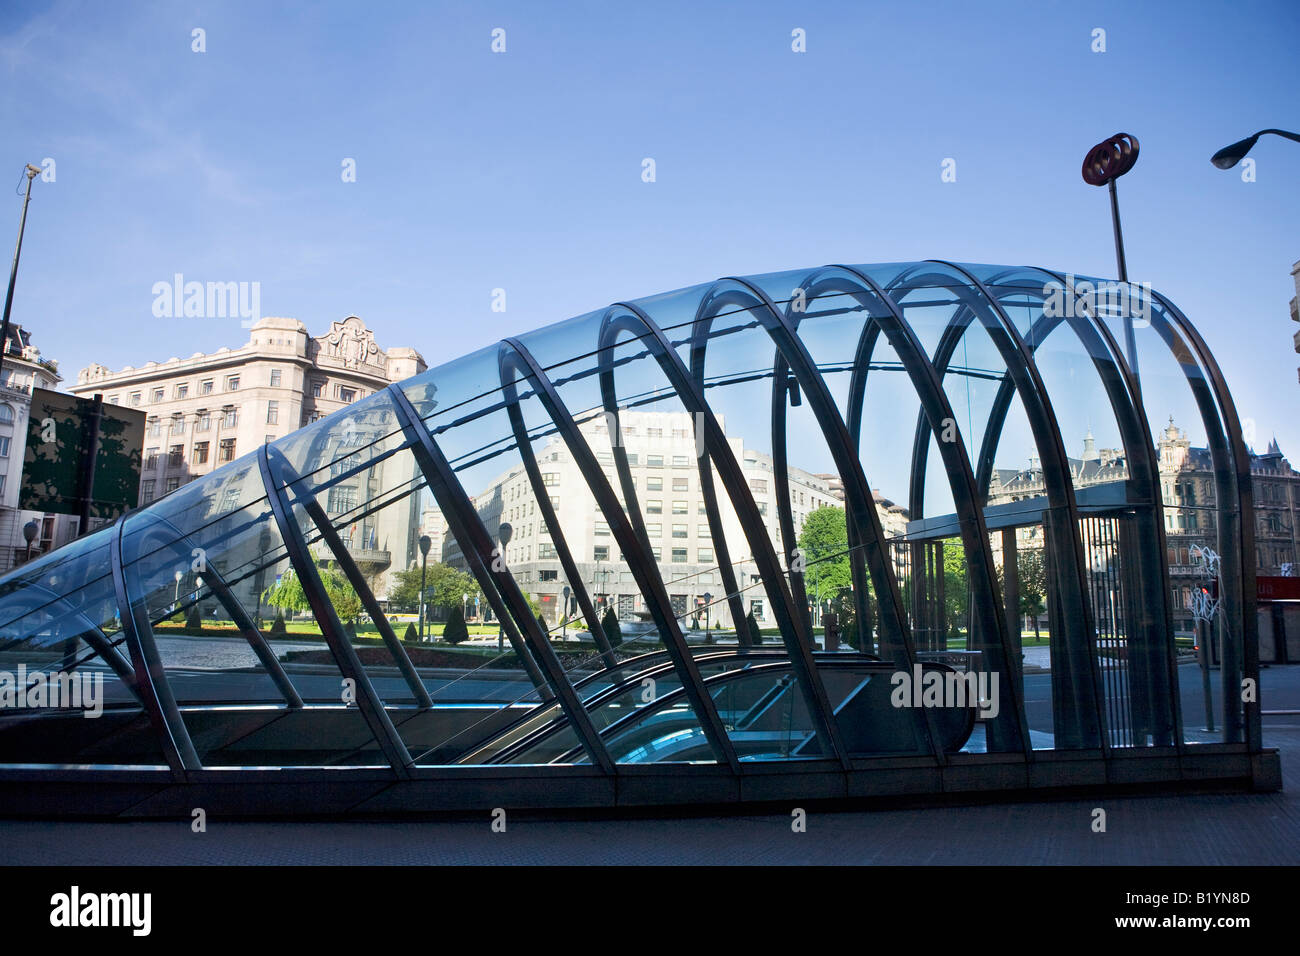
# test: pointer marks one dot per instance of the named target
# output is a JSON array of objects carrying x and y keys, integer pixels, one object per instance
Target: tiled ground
[{"x": 1182, "y": 830}]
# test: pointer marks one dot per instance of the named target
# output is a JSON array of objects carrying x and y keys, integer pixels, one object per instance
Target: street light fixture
[
  {"x": 425, "y": 544},
  {"x": 176, "y": 598},
  {"x": 1230, "y": 156},
  {"x": 30, "y": 531},
  {"x": 707, "y": 598},
  {"x": 504, "y": 533},
  {"x": 564, "y": 616}
]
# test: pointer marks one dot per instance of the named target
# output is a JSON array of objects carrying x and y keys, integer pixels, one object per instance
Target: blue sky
[{"x": 522, "y": 170}]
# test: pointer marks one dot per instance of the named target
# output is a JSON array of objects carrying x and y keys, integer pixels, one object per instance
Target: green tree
[
  {"x": 956, "y": 586},
  {"x": 455, "y": 631},
  {"x": 609, "y": 623},
  {"x": 445, "y": 587},
  {"x": 824, "y": 545},
  {"x": 287, "y": 593},
  {"x": 755, "y": 635},
  {"x": 1031, "y": 574},
  {"x": 277, "y": 626}
]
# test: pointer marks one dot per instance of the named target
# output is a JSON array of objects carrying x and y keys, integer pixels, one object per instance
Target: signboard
[
  {"x": 63, "y": 433},
  {"x": 1277, "y": 589}
]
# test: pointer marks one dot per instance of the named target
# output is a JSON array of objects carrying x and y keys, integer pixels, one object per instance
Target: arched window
[{"x": 6, "y": 415}]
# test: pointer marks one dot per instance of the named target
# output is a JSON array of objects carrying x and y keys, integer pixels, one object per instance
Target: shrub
[
  {"x": 412, "y": 636},
  {"x": 455, "y": 631},
  {"x": 193, "y": 619},
  {"x": 609, "y": 623},
  {"x": 755, "y": 635},
  {"x": 277, "y": 626}
]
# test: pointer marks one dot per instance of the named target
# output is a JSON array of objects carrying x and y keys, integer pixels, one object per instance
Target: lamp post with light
[
  {"x": 1230, "y": 156},
  {"x": 30, "y": 531},
  {"x": 504, "y": 533},
  {"x": 425, "y": 544}
]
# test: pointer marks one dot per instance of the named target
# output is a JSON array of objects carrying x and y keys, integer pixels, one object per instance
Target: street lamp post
[
  {"x": 707, "y": 598},
  {"x": 564, "y": 616},
  {"x": 504, "y": 533},
  {"x": 176, "y": 598},
  {"x": 1105, "y": 163},
  {"x": 1230, "y": 156},
  {"x": 425, "y": 544},
  {"x": 32, "y": 173},
  {"x": 30, "y": 530}
]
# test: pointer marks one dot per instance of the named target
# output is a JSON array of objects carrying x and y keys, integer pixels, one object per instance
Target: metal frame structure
[{"x": 461, "y": 740}]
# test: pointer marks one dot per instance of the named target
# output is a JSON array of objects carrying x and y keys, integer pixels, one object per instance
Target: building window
[
  {"x": 681, "y": 507},
  {"x": 200, "y": 454},
  {"x": 654, "y": 483},
  {"x": 227, "y": 452},
  {"x": 267, "y": 439},
  {"x": 231, "y": 417},
  {"x": 681, "y": 484},
  {"x": 341, "y": 498},
  {"x": 114, "y": 399},
  {"x": 657, "y": 553},
  {"x": 681, "y": 461},
  {"x": 706, "y": 555},
  {"x": 655, "y": 530},
  {"x": 602, "y": 529},
  {"x": 756, "y": 608},
  {"x": 545, "y": 549},
  {"x": 762, "y": 507},
  {"x": 702, "y": 531},
  {"x": 548, "y": 574},
  {"x": 681, "y": 433},
  {"x": 654, "y": 461},
  {"x": 344, "y": 394},
  {"x": 273, "y": 413},
  {"x": 759, "y": 485},
  {"x": 654, "y": 433},
  {"x": 679, "y": 531},
  {"x": 146, "y": 491},
  {"x": 600, "y": 552},
  {"x": 275, "y": 378},
  {"x": 4, "y": 447},
  {"x": 150, "y": 458},
  {"x": 157, "y": 395},
  {"x": 633, "y": 459},
  {"x": 176, "y": 456},
  {"x": 316, "y": 388},
  {"x": 679, "y": 555},
  {"x": 202, "y": 421},
  {"x": 232, "y": 383},
  {"x": 182, "y": 391},
  {"x": 136, "y": 398},
  {"x": 172, "y": 484},
  {"x": 555, "y": 503},
  {"x": 654, "y": 506},
  {"x": 205, "y": 387},
  {"x": 178, "y": 424},
  {"x": 550, "y": 478}
]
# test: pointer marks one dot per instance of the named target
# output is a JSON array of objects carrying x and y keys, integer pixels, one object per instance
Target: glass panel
[{"x": 60, "y": 702}]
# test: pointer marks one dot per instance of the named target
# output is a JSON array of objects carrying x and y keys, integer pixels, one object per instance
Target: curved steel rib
[
  {"x": 793, "y": 626},
  {"x": 476, "y": 545},
  {"x": 637, "y": 554}
]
